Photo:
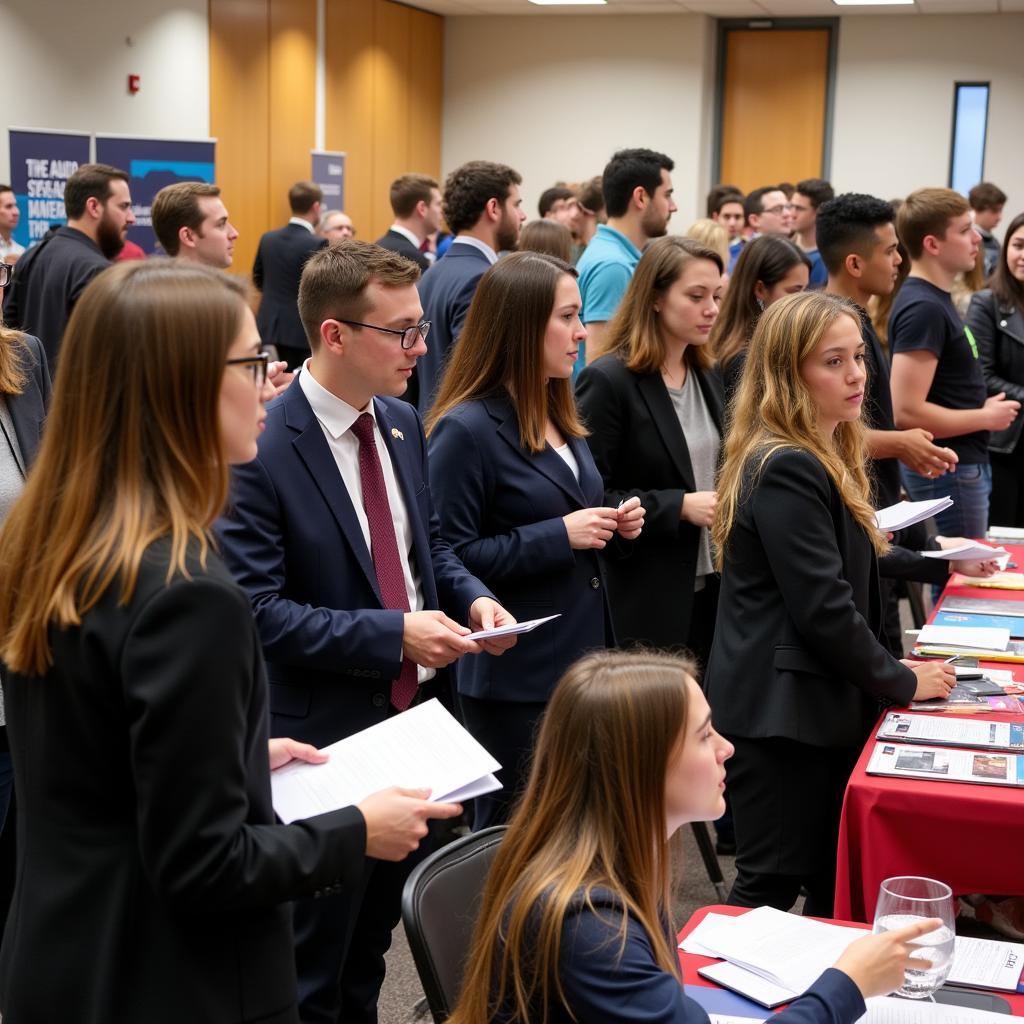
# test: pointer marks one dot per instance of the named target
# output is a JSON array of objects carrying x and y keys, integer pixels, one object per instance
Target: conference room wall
[
  {"x": 66, "y": 66},
  {"x": 894, "y": 100},
  {"x": 556, "y": 95}
]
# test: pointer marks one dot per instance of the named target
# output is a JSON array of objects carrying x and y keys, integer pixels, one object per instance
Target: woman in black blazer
[
  {"x": 797, "y": 671},
  {"x": 653, "y": 405},
  {"x": 520, "y": 500},
  {"x": 152, "y": 881},
  {"x": 996, "y": 319}
]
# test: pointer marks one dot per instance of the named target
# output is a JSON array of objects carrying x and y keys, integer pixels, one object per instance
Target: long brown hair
[
  {"x": 1007, "y": 289},
  {"x": 768, "y": 259},
  {"x": 634, "y": 334},
  {"x": 592, "y": 816},
  {"x": 12, "y": 373},
  {"x": 502, "y": 346},
  {"x": 773, "y": 410},
  {"x": 132, "y": 450}
]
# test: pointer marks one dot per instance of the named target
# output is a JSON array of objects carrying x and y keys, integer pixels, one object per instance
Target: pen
[{"x": 949, "y": 661}]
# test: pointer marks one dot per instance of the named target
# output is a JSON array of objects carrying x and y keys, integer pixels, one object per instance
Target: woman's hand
[
  {"x": 975, "y": 567},
  {"x": 284, "y": 750},
  {"x": 876, "y": 963},
  {"x": 934, "y": 678},
  {"x": 279, "y": 377},
  {"x": 396, "y": 820},
  {"x": 699, "y": 507},
  {"x": 591, "y": 527},
  {"x": 631, "y": 518}
]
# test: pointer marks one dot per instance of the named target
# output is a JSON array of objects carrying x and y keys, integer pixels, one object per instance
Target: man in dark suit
[
  {"x": 277, "y": 268},
  {"x": 416, "y": 203},
  {"x": 484, "y": 211},
  {"x": 334, "y": 537},
  {"x": 51, "y": 276}
]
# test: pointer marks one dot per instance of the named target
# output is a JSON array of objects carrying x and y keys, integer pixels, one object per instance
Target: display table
[
  {"x": 690, "y": 962},
  {"x": 969, "y": 836}
]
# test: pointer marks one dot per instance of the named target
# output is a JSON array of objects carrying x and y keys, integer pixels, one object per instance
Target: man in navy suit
[
  {"x": 484, "y": 211},
  {"x": 416, "y": 204},
  {"x": 277, "y": 268},
  {"x": 333, "y": 534}
]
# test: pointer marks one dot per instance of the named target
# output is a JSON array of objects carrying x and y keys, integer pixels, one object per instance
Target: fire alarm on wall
[{"x": 134, "y": 83}]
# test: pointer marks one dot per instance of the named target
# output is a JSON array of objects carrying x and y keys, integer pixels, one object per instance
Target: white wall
[
  {"x": 66, "y": 66},
  {"x": 554, "y": 96},
  {"x": 894, "y": 101}
]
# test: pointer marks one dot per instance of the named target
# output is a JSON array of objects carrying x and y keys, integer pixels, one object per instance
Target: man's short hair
[
  {"x": 407, "y": 191},
  {"x": 469, "y": 188},
  {"x": 6, "y": 188},
  {"x": 334, "y": 281},
  {"x": 754, "y": 201},
  {"x": 90, "y": 181},
  {"x": 625, "y": 171},
  {"x": 302, "y": 195},
  {"x": 986, "y": 196},
  {"x": 590, "y": 195},
  {"x": 847, "y": 225},
  {"x": 550, "y": 196},
  {"x": 817, "y": 190},
  {"x": 177, "y": 206},
  {"x": 927, "y": 211},
  {"x": 720, "y": 195}
]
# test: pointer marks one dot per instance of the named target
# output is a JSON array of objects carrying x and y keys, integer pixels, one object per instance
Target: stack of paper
[
  {"x": 906, "y": 513},
  {"x": 970, "y": 550},
  {"x": 1000, "y": 581},
  {"x": 1013, "y": 534},
  {"x": 890, "y": 1010},
  {"x": 772, "y": 957},
  {"x": 952, "y": 732},
  {"x": 424, "y": 747},
  {"x": 966, "y": 638}
]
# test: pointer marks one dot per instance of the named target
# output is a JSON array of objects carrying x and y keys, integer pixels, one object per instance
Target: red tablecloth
[
  {"x": 690, "y": 962},
  {"x": 970, "y": 837}
]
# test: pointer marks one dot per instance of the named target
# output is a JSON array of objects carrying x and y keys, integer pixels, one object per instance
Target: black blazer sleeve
[
  {"x": 981, "y": 320},
  {"x": 189, "y": 663},
  {"x": 257, "y": 267},
  {"x": 791, "y": 508}
]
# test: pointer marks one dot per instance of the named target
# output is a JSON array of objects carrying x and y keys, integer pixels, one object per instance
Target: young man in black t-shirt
[{"x": 937, "y": 382}]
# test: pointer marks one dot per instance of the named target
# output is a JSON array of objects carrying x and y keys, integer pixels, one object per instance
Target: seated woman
[{"x": 573, "y": 924}]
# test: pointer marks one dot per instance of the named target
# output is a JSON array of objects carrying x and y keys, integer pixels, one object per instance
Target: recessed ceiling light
[
  {"x": 569, "y": 3},
  {"x": 873, "y": 3}
]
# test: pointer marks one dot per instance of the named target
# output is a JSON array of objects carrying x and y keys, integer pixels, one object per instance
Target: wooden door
[{"x": 774, "y": 94}]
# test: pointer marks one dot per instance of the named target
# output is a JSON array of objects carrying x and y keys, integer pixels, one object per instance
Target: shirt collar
[
  {"x": 492, "y": 256},
  {"x": 620, "y": 238},
  {"x": 302, "y": 222},
  {"x": 406, "y": 233},
  {"x": 334, "y": 413}
]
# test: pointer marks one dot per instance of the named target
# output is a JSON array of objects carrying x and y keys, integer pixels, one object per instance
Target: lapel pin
[{"x": 395, "y": 432}]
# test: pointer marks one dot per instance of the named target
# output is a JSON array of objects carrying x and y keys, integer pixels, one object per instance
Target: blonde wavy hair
[{"x": 773, "y": 411}]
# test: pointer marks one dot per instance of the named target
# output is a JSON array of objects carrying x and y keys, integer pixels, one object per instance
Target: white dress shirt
[
  {"x": 303, "y": 223},
  {"x": 492, "y": 256},
  {"x": 406, "y": 233},
  {"x": 336, "y": 418}
]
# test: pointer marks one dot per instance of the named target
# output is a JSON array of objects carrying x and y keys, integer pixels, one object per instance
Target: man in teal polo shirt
[{"x": 638, "y": 200}]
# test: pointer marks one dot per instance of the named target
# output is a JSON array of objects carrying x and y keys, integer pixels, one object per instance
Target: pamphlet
[
  {"x": 986, "y": 963},
  {"x": 517, "y": 627},
  {"x": 1013, "y": 624},
  {"x": 954, "y": 732},
  {"x": 971, "y": 549},
  {"x": 1014, "y": 652},
  {"x": 964, "y": 702},
  {"x": 965, "y": 637},
  {"x": 942, "y": 764},
  {"x": 1013, "y": 534},
  {"x": 998, "y": 581},
  {"x": 983, "y": 605},
  {"x": 906, "y": 513}
]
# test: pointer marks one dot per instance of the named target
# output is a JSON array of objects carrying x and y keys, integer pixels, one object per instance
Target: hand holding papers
[
  {"x": 970, "y": 551},
  {"x": 422, "y": 747},
  {"x": 906, "y": 513},
  {"x": 518, "y": 627}
]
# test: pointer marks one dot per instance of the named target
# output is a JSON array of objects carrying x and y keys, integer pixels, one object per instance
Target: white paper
[
  {"x": 890, "y": 1010},
  {"x": 1010, "y": 533},
  {"x": 746, "y": 983},
  {"x": 956, "y": 732},
  {"x": 987, "y": 638},
  {"x": 519, "y": 627},
  {"x": 946, "y": 764},
  {"x": 424, "y": 747},
  {"x": 906, "y": 513},
  {"x": 693, "y": 943},
  {"x": 722, "y": 1018},
  {"x": 987, "y": 963},
  {"x": 972, "y": 549}
]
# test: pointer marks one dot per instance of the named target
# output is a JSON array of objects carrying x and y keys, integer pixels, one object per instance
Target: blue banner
[
  {"x": 41, "y": 163},
  {"x": 151, "y": 164},
  {"x": 329, "y": 174}
]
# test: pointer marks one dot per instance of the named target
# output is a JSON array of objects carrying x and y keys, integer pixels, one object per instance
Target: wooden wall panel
[
  {"x": 292, "y": 109},
  {"x": 391, "y": 98},
  {"x": 426, "y": 64},
  {"x": 773, "y": 125},
  {"x": 239, "y": 116}
]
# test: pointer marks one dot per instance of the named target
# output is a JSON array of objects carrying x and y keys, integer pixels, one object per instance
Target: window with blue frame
[{"x": 970, "y": 121}]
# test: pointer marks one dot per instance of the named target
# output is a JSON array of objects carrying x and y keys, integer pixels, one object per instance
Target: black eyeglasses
[
  {"x": 256, "y": 365},
  {"x": 6, "y": 274},
  {"x": 409, "y": 335}
]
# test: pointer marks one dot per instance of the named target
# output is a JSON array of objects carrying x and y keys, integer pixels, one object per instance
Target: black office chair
[{"x": 440, "y": 903}]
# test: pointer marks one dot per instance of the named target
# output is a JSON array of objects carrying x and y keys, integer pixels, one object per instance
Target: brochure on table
[
  {"x": 943, "y": 764},
  {"x": 953, "y": 732}
]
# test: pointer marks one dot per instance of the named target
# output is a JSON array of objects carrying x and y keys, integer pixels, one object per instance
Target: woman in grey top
[{"x": 653, "y": 405}]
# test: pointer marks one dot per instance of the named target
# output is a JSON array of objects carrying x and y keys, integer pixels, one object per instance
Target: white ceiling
[{"x": 722, "y": 8}]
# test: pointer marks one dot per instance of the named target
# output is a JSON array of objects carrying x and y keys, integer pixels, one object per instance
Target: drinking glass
[{"x": 906, "y": 900}]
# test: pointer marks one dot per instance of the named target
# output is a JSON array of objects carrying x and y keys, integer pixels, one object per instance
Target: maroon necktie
[{"x": 384, "y": 547}]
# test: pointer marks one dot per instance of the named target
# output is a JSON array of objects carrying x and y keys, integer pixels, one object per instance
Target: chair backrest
[{"x": 440, "y": 903}]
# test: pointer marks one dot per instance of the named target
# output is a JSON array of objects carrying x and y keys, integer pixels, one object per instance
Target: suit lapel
[
  {"x": 655, "y": 395},
  {"x": 313, "y": 450}
]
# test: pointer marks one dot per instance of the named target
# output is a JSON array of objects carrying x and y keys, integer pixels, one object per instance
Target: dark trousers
[
  {"x": 1006, "y": 506},
  {"x": 787, "y": 798},
  {"x": 702, "y": 619},
  {"x": 507, "y": 730}
]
